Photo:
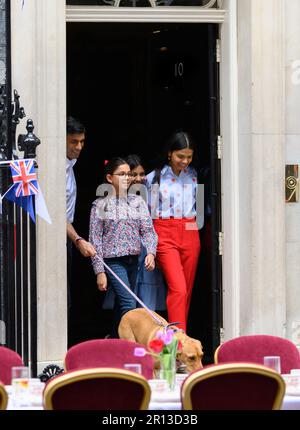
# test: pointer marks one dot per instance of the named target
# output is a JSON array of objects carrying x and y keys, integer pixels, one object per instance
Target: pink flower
[
  {"x": 166, "y": 337},
  {"x": 140, "y": 352}
]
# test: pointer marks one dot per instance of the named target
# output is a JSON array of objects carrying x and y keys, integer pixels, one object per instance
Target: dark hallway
[{"x": 132, "y": 85}]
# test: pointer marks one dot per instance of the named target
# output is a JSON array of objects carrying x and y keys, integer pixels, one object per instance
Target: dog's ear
[
  {"x": 198, "y": 347},
  {"x": 200, "y": 350},
  {"x": 178, "y": 354}
]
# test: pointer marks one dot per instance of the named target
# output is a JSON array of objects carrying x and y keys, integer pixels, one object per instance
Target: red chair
[
  {"x": 107, "y": 353},
  {"x": 3, "y": 397},
  {"x": 237, "y": 386},
  {"x": 97, "y": 389},
  {"x": 8, "y": 359},
  {"x": 252, "y": 349}
]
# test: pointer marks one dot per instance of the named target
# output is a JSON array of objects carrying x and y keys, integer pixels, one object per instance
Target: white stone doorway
[{"x": 132, "y": 85}]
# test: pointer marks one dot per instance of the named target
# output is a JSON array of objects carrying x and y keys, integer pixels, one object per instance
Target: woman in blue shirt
[
  {"x": 172, "y": 188},
  {"x": 150, "y": 286}
]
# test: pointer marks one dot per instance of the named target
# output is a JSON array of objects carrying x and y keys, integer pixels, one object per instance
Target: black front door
[{"x": 132, "y": 85}]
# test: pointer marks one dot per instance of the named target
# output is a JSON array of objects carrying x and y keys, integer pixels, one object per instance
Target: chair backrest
[
  {"x": 97, "y": 389},
  {"x": 3, "y": 397},
  {"x": 107, "y": 353},
  {"x": 252, "y": 349},
  {"x": 8, "y": 359},
  {"x": 236, "y": 386}
]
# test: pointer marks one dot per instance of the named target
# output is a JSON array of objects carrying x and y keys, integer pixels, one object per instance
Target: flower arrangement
[{"x": 164, "y": 347}]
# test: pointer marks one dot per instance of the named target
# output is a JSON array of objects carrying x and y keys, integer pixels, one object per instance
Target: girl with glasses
[{"x": 120, "y": 224}]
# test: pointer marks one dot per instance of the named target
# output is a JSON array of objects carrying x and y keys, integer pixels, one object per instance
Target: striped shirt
[{"x": 71, "y": 190}]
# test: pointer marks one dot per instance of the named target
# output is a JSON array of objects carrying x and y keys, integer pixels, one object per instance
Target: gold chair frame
[
  {"x": 3, "y": 397},
  {"x": 92, "y": 373},
  {"x": 216, "y": 354},
  {"x": 222, "y": 369}
]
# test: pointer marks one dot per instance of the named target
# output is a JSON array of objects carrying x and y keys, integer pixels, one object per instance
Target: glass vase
[{"x": 168, "y": 369}]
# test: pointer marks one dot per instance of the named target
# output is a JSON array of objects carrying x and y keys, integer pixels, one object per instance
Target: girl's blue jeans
[{"x": 126, "y": 268}]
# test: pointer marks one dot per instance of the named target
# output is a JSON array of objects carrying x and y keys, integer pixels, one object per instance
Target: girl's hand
[
  {"x": 149, "y": 262},
  {"x": 102, "y": 281}
]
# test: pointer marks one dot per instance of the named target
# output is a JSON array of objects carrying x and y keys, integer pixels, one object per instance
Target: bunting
[{"x": 25, "y": 189}]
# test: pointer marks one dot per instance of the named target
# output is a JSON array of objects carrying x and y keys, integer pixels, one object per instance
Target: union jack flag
[{"x": 24, "y": 177}]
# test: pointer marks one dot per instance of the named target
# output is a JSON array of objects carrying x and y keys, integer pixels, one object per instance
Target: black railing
[
  {"x": 18, "y": 309},
  {"x": 18, "y": 266},
  {"x": 18, "y": 296}
]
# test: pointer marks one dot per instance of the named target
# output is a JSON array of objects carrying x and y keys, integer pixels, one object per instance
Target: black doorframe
[
  {"x": 216, "y": 219},
  {"x": 215, "y": 301}
]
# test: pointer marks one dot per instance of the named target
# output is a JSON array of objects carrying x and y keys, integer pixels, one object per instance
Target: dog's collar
[{"x": 176, "y": 329}]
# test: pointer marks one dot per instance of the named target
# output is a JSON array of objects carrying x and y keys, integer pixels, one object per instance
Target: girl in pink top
[{"x": 119, "y": 224}]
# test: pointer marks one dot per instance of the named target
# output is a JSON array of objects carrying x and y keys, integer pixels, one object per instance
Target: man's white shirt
[{"x": 71, "y": 190}]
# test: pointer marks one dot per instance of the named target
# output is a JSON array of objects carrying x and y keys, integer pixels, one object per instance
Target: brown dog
[{"x": 138, "y": 326}]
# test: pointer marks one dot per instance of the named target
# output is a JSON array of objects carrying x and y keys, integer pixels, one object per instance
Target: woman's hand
[
  {"x": 102, "y": 281},
  {"x": 149, "y": 262}
]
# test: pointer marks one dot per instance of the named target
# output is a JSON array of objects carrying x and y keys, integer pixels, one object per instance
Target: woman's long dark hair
[
  {"x": 133, "y": 161},
  {"x": 178, "y": 140}
]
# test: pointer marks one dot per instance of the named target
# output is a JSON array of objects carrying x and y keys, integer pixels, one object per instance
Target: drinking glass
[
  {"x": 133, "y": 367},
  {"x": 20, "y": 384},
  {"x": 180, "y": 378},
  {"x": 168, "y": 369},
  {"x": 36, "y": 388},
  {"x": 158, "y": 385},
  {"x": 19, "y": 373},
  {"x": 273, "y": 362}
]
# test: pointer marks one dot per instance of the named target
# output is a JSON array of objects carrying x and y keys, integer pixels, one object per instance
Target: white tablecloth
[
  {"x": 166, "y": 401},
  {"x": 291, "y": 403},
  {"x": 171, "y": 401}
]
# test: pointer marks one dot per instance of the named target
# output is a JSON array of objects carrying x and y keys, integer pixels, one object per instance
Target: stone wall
[
  {"x": 38, "y": 73},
  {"x": 261, "y": 122},
  {"x": 292, "y": 145}
]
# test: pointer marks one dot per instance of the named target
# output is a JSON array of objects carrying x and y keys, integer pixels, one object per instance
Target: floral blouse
[
  {"x": 175, "y": 196},
  {"x": 118, "y": 226}
]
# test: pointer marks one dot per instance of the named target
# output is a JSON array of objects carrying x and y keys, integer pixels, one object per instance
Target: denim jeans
[{"x": 126, "y": 268}]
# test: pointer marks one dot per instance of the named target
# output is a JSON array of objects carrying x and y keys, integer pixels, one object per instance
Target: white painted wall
[
  {"x": 38, "y": 73},
  {"x": 292, "y": 136},
  {"x": 261, "y": 149},
  {"x": 230, "y": 171}
]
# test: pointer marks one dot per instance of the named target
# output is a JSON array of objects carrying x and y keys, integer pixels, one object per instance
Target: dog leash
[{"x": 136, "y": 297}]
